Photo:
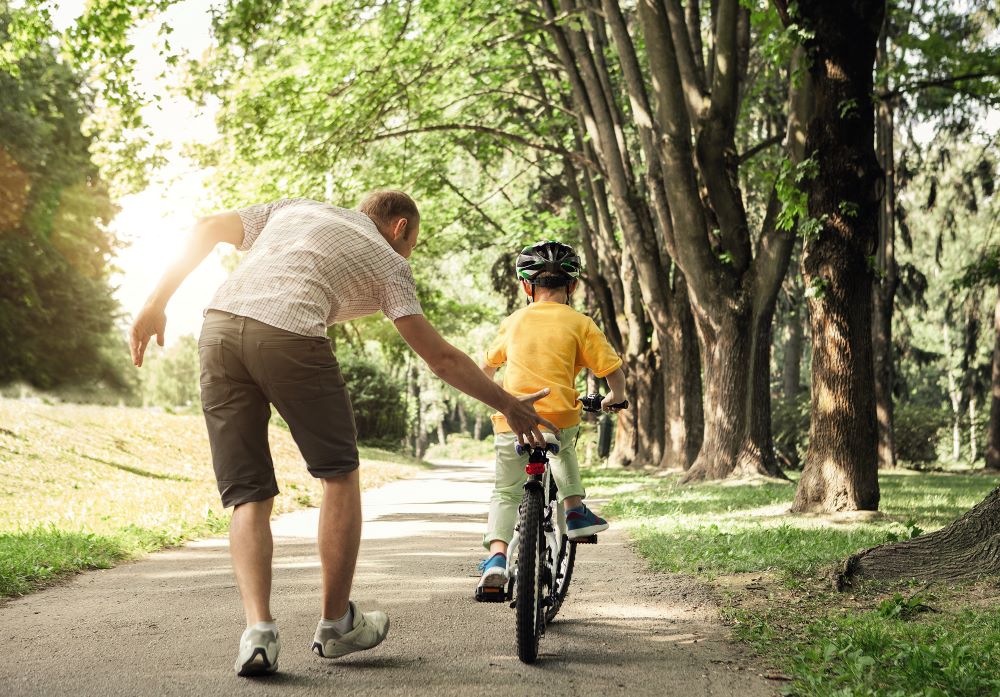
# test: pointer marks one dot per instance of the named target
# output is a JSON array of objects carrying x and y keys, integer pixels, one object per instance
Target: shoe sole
[
  {"x": 587, "y": 532},
  {"x": 252, "y": 666},
  {"x": 494, "y": 578}
]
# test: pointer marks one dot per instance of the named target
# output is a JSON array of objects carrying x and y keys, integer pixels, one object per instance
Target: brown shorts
[{"x": 246, "y": 366}]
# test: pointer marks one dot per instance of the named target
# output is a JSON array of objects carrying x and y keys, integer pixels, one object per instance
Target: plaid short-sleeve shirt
[{"x": 309, "y": 265}]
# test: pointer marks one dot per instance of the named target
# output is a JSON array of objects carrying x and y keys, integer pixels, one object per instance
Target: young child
[{"x": 545, "y": 345}]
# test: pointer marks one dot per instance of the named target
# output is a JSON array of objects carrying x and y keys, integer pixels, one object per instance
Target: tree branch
[
  {"x": 937, "y": 82},
  {"x": 694, "y": 86},
  {"x": 763, "y": 145},
  {"x": 477, "y": 128},
  {"x": 475, "y": 206}
]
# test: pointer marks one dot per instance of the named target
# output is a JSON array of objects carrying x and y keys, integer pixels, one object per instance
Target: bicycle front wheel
[{"x": 529, "y": 585}]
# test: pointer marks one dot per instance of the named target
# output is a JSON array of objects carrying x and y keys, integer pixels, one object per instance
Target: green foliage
[
  {"x": 870, "y": 654},
  {"x": 825, "y": 642},
  {"x": 34, "y": 558},
  {"x": 903, "y": 607},
  {"x": 378, "y": 401},
  {"x": 918, "y": 432},
  {"x": 170, "y": 377},
  {"x": 56, "y": 306},
  {"x": 722, "y": 528},
  {"x": 789, "y": 186},
  {"x": 790, "y": 429}
]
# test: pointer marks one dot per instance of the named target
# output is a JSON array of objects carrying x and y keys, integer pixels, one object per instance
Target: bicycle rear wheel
[
  {"x": 529, "y": 585},
  {"x": 564, "y": 574}
]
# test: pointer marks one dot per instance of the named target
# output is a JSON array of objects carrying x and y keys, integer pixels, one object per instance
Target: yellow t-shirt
[{"x": 545, "y": 345}]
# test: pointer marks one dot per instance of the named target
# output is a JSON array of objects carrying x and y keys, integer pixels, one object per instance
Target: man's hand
[
  {"x": 151, "y": 320},
  {"x": 524, "y": 421}
]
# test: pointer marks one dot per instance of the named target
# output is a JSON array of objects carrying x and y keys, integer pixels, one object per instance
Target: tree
[
  {"x": 840, "y": 471},
  {"x": 681, "y": 91},
  {"x": 56, "y": 306},
  {"x": 985, "y": 273},
  {"x": 935, "y": 62}
]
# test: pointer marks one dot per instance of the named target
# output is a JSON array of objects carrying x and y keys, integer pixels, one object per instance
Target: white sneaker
[
  {"x": 370, "y": 628},
  {"x": 258, "y": 652}
]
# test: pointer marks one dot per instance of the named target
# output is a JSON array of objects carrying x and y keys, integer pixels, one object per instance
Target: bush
[
  {"x": 919, "y": 430},
  {"x": 790, "y": 428},
  {"x": 378, "y": 401}
]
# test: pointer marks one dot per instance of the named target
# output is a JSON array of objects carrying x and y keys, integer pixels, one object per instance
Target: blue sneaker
[
  {"x": 494, "y": 571},
  {"x": 581, "y": 522}
]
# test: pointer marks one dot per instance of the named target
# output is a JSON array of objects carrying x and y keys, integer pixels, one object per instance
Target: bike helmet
[{"x": 548, "y": 256}]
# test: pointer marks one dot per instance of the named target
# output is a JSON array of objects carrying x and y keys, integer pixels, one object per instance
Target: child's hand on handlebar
[{"x": 612, "y": 403}]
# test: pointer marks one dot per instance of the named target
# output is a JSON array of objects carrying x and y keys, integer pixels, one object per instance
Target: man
[{"x": 308, "y": 265}]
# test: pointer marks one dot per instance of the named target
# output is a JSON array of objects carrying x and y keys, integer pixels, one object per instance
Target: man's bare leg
[
  {"x": 339, "y": 540},
  {"x": 251, "y": 548}
]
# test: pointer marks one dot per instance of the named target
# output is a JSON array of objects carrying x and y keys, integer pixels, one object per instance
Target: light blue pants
[{"x": 510, "y": 479}]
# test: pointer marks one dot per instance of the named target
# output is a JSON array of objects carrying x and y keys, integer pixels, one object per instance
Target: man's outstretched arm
[
  {"x": 462, "y": 373},
  {"x": 152, "y": 319}
]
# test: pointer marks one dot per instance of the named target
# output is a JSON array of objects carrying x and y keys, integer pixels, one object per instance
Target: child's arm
[
  {"x": 616, "y": 381},
  {"x": 490, "y": 370}
]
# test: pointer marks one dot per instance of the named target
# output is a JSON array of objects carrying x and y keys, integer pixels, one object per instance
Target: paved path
[{"x": 169, "y": 625}]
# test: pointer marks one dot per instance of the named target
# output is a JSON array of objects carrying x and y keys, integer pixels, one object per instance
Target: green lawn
[
  {"x": 86, "y": 486},
  {"x": 772, "y": 574}
]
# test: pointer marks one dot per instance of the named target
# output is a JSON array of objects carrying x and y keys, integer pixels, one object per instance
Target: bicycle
[{"x": 545, "y": 554}]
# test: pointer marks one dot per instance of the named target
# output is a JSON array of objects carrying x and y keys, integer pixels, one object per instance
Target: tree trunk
[
  {"x": 732, "y": 393},
  {"x": 993, "y": 434},
  {"x": 973, "y": 443},
  {"x": 683, "y": 416},
  {"x": 885, "y": 284},
  {"x": 639, "y": 429},
  {"x": 791, "y": 374},
  {"x": 477, "y": 428},
  {"x": 954, "y": 398},
  {"x": 966, "y": 550},
  {"x": 841, "y": 468}
]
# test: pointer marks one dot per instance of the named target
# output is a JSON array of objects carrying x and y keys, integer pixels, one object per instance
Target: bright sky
[{"x": 156, "y": 221}]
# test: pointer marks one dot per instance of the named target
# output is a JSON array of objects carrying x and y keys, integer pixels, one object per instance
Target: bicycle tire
[
  {"x": 528, "y": 588},
  {"x": 567, "y": 556}
]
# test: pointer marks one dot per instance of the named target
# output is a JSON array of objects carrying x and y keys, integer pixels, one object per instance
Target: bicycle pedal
[
  {"x": 488, "y": 594},
  {"x": 592, "y": 540}
]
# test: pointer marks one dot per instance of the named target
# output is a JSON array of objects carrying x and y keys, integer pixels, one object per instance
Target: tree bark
[
  {"x": 967, "y": 549},
  {"x": 791, "y": 374},
  {"x": 841, "y": 468},
  {"x": 683, "y": 401},
  {"x": 993, "y": 435},
  {"x": 885, "y": 284}
]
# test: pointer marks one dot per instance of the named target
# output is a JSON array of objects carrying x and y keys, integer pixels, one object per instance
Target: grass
[
  {"x": 86, "y": 486},
  {"x": 771, "y": 572}
]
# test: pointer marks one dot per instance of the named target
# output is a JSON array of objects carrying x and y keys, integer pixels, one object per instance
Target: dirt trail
[{"x": 169, "y": 625}]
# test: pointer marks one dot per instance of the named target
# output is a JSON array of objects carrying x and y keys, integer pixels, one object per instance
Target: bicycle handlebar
[{"x": 592, "y": 403}]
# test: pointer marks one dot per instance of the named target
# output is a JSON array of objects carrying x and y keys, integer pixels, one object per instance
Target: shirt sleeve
[
  {"x": 255, "y": 219},
  {"x": 399, "y": 295},
  {"x": 598, "y": 355},
  {"x": 496, "y": 353}
]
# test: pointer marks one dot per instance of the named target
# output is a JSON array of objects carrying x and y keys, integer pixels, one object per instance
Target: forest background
[{"x": 778, "y": 305}]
